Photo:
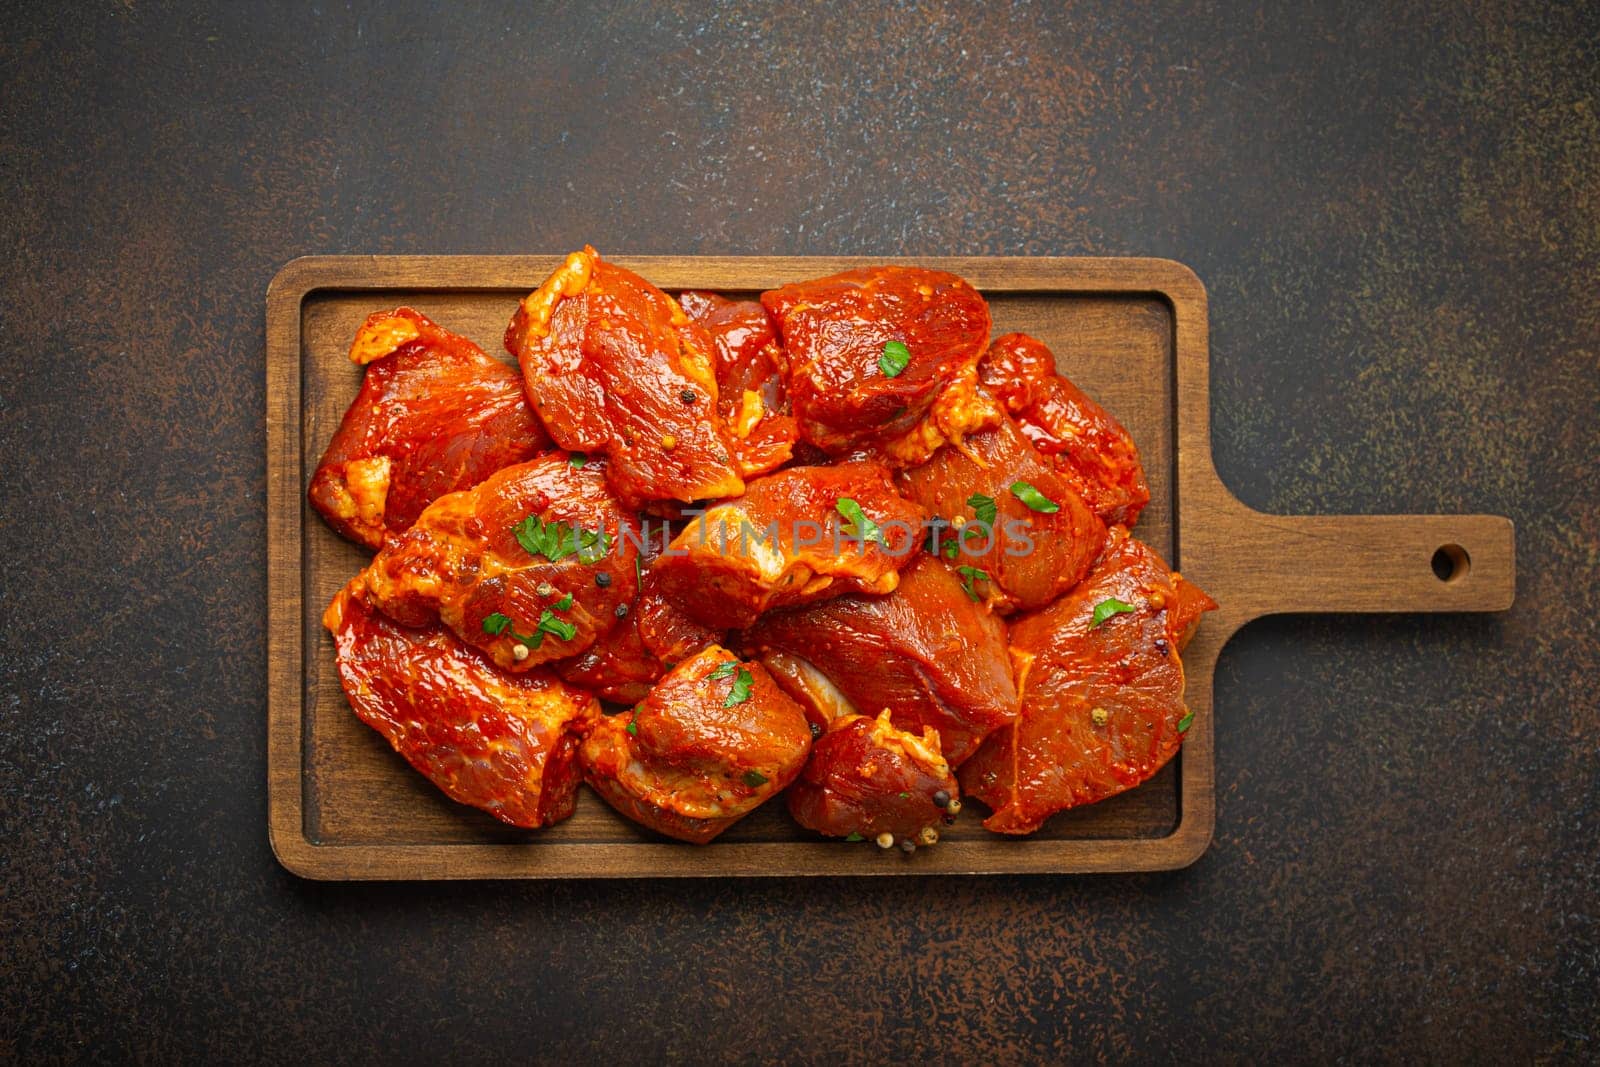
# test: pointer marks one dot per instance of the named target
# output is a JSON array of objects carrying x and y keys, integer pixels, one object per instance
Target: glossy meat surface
[
  {"x": 926, "y": 652},
  {"x": 463, "y": 563},
  {"x": 786, "y": 542},
  {"x": 867, "y": 777},
  {"x": 1102, "y": 705},
  {"x": 615, "y": 368},
  {"x": 714, "y": 739},
  {"x": 1019, "y": 557},
  {"x": 619, "y": 666},
  {"x": 751, "y": 396},
  {"x": 505, "y": 743},
  {"x": 834, "y": 330},
  {"x": 746, "y": 346},
  {"x": 1088, "y": 445},
  {"x": 434, "y": 414},
  {"x": 652, "y": 637}
]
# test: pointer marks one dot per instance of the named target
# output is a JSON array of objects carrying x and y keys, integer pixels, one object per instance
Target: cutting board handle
[{"x": 1265, "y": 564}]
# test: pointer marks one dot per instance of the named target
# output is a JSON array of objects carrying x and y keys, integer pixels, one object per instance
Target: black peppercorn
[{"x": 602, "y": 579}]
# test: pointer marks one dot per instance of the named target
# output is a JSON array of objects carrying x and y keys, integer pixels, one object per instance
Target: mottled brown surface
[{"x": 1396, "y": 211}]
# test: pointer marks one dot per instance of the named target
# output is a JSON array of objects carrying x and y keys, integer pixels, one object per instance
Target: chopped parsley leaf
[
  {"x": 556, "y": 541},
  {"x": 560, "y": 628},
  {"x": 741, "y": 689},
  {"x": 1036, "y": 500},
  {"x": 896, "y": 356},
  {"x": 972, "y": 575},
  {"x": 861, "y": 527},
  {"x": 1107, "y": 608}
]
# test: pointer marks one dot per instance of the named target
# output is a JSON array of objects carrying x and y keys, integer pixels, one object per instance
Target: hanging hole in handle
[{"x": 1451, "y": 563}]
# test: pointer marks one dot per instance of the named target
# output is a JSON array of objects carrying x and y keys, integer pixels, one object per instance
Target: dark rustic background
[{"x": 1397, "y": 211}]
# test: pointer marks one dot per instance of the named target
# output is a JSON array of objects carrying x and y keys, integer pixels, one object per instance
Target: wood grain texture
[{"x": 1132, "y": 332}]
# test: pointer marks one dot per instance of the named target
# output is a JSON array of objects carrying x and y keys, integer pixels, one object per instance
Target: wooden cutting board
[{"x": 1131, "y": 332}]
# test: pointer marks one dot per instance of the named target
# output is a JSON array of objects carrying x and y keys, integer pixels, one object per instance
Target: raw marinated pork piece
[
  {"x": 1087, "y": 445},
  {"x": 614, "y": 367},
  {"x": 882, "y": 359},
  {"x": 1102, "y": 691},
  {"x": 435, "y": 414},
  {"x": 530, "y": 566},
  {"x": 869, "y": 778},
  {"x": 797, "y": 536},
  {"x": 752, "y": 400},
  {"x": 714, "y": 740},
  {"x": 501, "y": 742},
  {"x": 1025, "y": 536},
  {"x": 926, "y": 652}
]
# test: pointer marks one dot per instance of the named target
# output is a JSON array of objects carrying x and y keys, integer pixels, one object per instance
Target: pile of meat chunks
[{"x": 835, "y": 543}]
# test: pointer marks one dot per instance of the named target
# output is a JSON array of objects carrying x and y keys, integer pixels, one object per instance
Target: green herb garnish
[
  {"x": 905, "y": 796},
  {"x": 972, "y": 575},
  {"x": 894, "y": 359},
  {"x": 853, "y": 836},
  {"x": 741, "y": 689},
  {"x": 564, "y": 604},
  {"x": 861, "y": 528},
  {"x": 497, "y": 624},
  {"x": 578, "y": 460},
  {"x": 556, "y": 541},
  {"x": 984, "y": 507},
  {"x": 755, "y": 779},
  {"x": 560, "y": 628},
  {"x": 932, "y": 545},
  {"x": 1033, "y": 498},
  {"x": 1107, "y": 608},
  {"x": 723, "y": 670},
  {"x": 1185, "y": 722}
]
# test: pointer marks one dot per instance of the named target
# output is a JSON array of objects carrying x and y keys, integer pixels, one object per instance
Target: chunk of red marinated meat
[
  {"x": 506, "y": 743},
  {"x": 434, "y": 414},
  {"x": 926, "y": 652},
  {"x": 1086, "y": 443},
  {"x": 713, "y": 740},
  {"x": 615, "y": 368},
  {"x": 868, "y": 778},
  {"x": 513, "y": 565},
  {"x": 1102, "y": 691},
  {"x": 1025, "y": 535},
  {"x": 797, "y": 536},
  {"x": 751, "y": 397},
  {"x": 869, "y": 352}
]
